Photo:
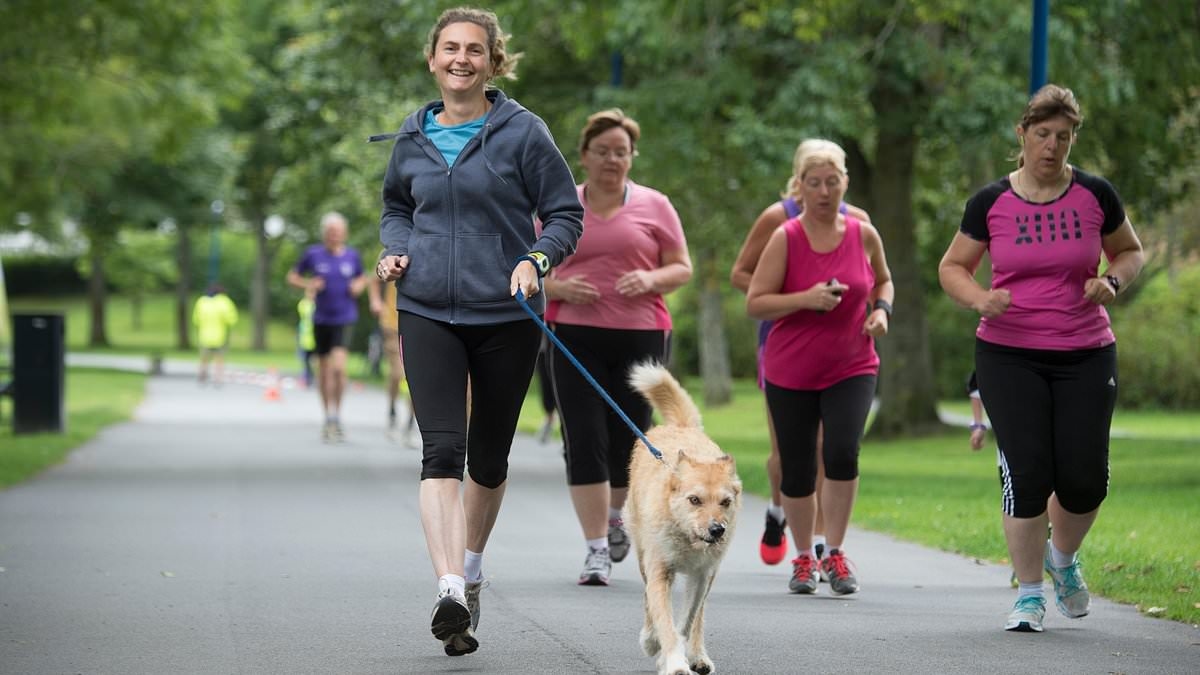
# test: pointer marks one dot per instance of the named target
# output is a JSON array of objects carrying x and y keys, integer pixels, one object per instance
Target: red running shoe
[{"x": 773, "y": 547}]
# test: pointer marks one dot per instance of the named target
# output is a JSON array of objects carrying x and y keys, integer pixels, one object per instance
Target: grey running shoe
[
  {"x": 838, "y": 569},
  {"x": 451, "y": 623},
  {"x": 473, "y": 589},
  {"x": 596, "y": 568},
  {"x": 1027, "y": 615},
  {"x": 804, "y": 575},
  {"x": 1070, "y": 592},
  {"x": 618, "y": 540}
]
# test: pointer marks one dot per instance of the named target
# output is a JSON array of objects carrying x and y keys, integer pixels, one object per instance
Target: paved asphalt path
[{"x": 216, "y": 534}]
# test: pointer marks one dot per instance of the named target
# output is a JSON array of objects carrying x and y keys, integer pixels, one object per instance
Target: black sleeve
[
  {"x": 1106, "y": 195},
  {"x": 972, "y": 384},
  {"x": 974, "y": 220}
]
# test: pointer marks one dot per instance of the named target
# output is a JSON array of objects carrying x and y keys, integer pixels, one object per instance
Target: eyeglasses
[{"x": 619, "y": 154}]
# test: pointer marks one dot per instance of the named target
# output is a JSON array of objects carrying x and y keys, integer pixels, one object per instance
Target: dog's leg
[
  {"x": 661, "y": 622},
  {"x": 693, "y": 629}
]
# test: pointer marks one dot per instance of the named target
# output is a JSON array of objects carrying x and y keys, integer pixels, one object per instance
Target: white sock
[
  {"x": 818, "y": 539},
  {"x": 600, "y": 544},
  {"x": 456, "y": 584},
  {"x": 1060, "y": 559},
  {"x": 1025, "y": 590},
  {"x": 614, "y": 514},
  {"x": 473, "y": 566},
  {"x": 776, "y": 512}
]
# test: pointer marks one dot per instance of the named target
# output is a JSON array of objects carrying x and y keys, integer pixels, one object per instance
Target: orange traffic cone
[{"x": 272, "y": 392}]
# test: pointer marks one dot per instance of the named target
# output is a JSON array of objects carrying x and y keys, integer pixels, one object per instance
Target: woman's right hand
[
  {"x": 994, "y": 303},
  {"x": 575, "y": 290},
  {"x": 826, "y": 295}
]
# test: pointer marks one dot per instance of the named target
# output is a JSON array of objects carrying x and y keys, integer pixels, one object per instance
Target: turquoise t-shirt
[{"x": 450, "y": 140}]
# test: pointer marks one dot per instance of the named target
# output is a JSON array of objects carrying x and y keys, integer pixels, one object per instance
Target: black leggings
[
  {"x": 597, "y": 441},
  {"x": 1051, "y": 412},
  {"x": 797, "y": 414},
  {"x": 438, "y": 357}
]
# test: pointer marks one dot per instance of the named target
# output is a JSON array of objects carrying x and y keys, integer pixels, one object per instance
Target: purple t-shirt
[
  {"x": 1043, "y": 254},
  {"x": 335, "y": 304}
]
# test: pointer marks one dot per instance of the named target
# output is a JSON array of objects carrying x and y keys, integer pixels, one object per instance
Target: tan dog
[{"x": 681, "y": 513}]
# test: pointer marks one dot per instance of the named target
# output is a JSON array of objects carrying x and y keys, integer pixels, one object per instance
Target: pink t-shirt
[
  {"x": 1043, "y": 254},
  {"x": 633, "y": 238},
  {"x": 809, "y": 350}
]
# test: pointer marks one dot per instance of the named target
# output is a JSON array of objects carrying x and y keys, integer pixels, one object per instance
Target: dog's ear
[
  {"x": 727, "y": 458},
  {"x": 682, "y": 458}
]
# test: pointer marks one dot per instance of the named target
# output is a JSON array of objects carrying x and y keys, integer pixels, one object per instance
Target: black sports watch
[{"x": 1114, "y": 282}]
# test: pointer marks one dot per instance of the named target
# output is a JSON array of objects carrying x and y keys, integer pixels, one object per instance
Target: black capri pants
[
  {"x": 438, "y": 357},
  {"x": 1051, "y": 412},
  {"x": 598, "y": 443},
  {"x": 798, "y": 413}
]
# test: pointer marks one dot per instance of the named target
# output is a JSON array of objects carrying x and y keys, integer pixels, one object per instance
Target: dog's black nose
[{"x": 716, "y": 531}]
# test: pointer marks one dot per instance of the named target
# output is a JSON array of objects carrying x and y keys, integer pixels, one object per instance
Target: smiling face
[
  {"x": 461, "y": 61},
  {"x": 608, "y": 156},
  {"x": 822, "y": 188},
  {"x": 1046, "y": 145}
]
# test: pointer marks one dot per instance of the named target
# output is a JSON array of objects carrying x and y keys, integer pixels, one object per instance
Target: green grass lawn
[{"x": 94, "y": 400}]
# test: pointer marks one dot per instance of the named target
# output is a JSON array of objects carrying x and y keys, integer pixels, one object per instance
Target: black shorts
[{"x": 330, "y": 335}]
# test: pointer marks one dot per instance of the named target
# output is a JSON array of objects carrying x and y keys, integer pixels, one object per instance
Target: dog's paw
[
  {"x": 674, "y": 666},
  {"x": 703, "y": 665},
  {"x": 649, "y": 641}
]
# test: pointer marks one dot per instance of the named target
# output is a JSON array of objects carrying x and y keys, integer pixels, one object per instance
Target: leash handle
[{"x": 586, "y": 375}]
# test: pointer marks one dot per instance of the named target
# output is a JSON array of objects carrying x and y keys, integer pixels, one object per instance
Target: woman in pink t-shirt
[
  {"x": 1045, "y": 355},
  {"x": 606, "y": 305},
  {"x": 824, "y": 281}
]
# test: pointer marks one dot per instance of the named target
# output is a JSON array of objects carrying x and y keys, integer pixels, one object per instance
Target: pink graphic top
[
  {"x": 1043, "y": 254},
  {"x": 633, "y": 238},
  {"x": 810, "y": 350}
]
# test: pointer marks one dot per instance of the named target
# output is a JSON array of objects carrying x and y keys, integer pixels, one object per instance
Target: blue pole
[
  {"x": 1037, "y": 66},
  {"x": 618, "y": 66}
]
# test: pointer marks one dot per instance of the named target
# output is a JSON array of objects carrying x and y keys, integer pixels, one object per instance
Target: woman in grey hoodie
[{"x": 468, "y": 175}]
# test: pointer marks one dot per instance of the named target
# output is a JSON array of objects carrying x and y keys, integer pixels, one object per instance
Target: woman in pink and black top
[
  {"x": 1045, "y": 354},
  {"x": 606, "y": 305},
  {"x": 824, "y": 281}
]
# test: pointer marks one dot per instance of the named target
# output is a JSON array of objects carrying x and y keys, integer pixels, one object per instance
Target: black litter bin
[{"x": 39, "y": 372}]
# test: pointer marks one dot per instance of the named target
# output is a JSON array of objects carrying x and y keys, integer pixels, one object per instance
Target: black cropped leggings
[
  {"x": 1051, "y": 412},
  {"x": 598, "y": 442},
  {"x": 438, "y": 357},
  {"x": 797, "y": 414}
]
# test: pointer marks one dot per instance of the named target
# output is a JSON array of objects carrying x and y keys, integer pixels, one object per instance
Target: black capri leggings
[
  {"x": 438, "y": 357},
  {"x": 598, "y": 442},
  {"x": 797, "y": 414},
  {"x": 1051, "y": 411}
]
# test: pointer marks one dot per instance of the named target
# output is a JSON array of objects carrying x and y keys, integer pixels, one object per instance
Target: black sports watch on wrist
[{"x": 1114, "y": 282}]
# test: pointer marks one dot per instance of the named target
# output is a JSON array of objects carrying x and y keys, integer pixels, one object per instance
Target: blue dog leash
[{"x": 586, "y": 375}]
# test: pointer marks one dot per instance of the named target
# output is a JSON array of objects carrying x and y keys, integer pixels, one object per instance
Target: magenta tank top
[{"x": 810, "y": 350}]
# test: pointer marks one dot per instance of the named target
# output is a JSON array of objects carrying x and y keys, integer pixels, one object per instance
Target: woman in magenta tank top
[
  {"x": 1045, "y": 354},
  {"x": 824, "y": 281}
]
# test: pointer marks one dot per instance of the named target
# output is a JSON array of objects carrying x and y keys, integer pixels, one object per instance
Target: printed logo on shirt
[
  {"x": 347, "y": 269},
  {"x": 1048, "y": 229}
]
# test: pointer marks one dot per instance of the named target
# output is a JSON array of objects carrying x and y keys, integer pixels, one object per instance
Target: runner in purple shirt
[{"x": 334, "y": 270}]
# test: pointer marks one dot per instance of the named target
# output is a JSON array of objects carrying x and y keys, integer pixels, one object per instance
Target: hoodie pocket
[
  {"x": 428, "y": 277},
  {"x": 483, "y": 271}
]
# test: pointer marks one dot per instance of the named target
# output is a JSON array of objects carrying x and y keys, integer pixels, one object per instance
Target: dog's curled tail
[{"x": 665, "y": 393}]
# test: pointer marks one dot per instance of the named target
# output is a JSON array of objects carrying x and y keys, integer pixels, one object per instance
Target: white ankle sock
[
  {"x": 454, "y": 583},
  {"x": 473, "y": 566},
  {"x": 1024, "y": 590},
  {"x": 776, "y": 512},
  {"x": 1060, "y": 559},
  {"x": 818, "y": 539},
  {"x": 598, "y": 544},
  {"x": 614, "y": 514}
]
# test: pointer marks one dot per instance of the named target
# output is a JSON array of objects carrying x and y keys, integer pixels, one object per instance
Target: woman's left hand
[
  {"x": 634, "y": 283},
  {"x": 1098, "y": 291},
  {"x": 525, "y": 278},
  {"x": 876, "y": 324}
]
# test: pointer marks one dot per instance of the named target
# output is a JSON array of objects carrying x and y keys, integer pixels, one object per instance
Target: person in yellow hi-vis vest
[
  {"x": 214, "y": 314},
  {"x": 306, "y": 339}
]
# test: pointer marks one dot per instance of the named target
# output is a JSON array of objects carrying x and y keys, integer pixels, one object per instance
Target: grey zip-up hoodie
[{"x": 463, "y": 228}]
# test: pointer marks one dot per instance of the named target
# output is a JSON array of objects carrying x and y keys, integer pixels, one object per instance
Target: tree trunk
[
  {"x": 183, "y": 289},
  {"x": 714, "y": 347},
  {"x": 259, "y": 298},
  {"x": 908, "y": 399},
  {"x": 97, "y": 293}
]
